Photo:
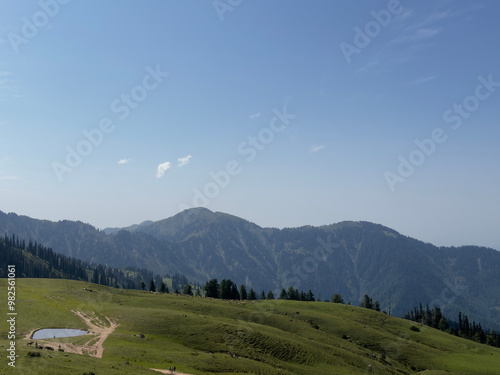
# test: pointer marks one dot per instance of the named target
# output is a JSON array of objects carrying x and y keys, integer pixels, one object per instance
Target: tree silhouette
[
  {"x": 337, "y": 298},
  {"x": 163, "y": 287},
  {"x": 251, "y": 295},
  {"x": 152, "y": 287},
  {"x": 243, "y": 292}
]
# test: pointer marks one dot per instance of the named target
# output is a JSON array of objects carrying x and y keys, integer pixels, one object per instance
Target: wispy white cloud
[
  {"x": 426, "y": 33},
  {"x": 183, "y": 161},
  {"x": 124, "y": 161},
  {"x": 423, "y": 80},
  {"x": 368, "y": 65},
  {"x": 316, "y": 148},
  {"x": 162, "y": 168},
  {"x": 415, "y": 36},
  {"x": 407, "y": 13},
  {"x": 413, "y": 33},
  {"x": 255, "y": 115},
  {"x": 5, "y": 73}
]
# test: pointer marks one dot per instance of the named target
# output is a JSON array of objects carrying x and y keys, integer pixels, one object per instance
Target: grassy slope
[{"x": 204, "y": 336}]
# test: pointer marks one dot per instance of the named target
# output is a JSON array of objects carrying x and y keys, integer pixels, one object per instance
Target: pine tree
[
  {"x": 95, "y": 277},
  {"x": 152, "y": 287},
  {"x": 188, "y": 290},
  {"x": 310, "y": 296},
  {"x": 337, "y": 298},
  {"x": 466, "y": 327},
  {"x": 163, "y": 287},
  {"x": 436, "y": 317},
  {"x": 443, "y": 324},
  {"x": 270, "y": 295},
  {"x": 283, "y": 294},
  {"x": 367, "y": 302},
  {"x": 302, "y": 296},
  {"x": 225, "y": 289},
  {"x": 293, "y": 294},
  {"x": 211, "y": 288},
  {"x": 251, "y": 295},
  {"x": 234, "y": 292},
  {"x": 243, "y": 292}
]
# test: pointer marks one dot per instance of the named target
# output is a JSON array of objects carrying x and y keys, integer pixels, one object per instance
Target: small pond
[{"x": 50, "y": 333}]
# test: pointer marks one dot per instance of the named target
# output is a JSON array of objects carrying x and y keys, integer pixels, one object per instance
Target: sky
[{"x": 285, "y": 113}]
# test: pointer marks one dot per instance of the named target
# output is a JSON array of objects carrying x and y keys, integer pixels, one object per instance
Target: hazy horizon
[{"x": 262, "y": 226}]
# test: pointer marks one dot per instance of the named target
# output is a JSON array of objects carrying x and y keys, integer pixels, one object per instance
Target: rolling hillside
[{"x": 204, "y": 336}]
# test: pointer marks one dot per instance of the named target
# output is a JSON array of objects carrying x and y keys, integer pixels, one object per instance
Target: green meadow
[{"x": 206, "y": 336}]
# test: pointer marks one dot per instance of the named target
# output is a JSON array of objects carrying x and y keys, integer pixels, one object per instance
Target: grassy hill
[{"x": 205, "y": 336}]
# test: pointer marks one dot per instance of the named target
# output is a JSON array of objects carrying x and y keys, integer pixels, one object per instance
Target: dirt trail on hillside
[{"x": 98, "y": 329}]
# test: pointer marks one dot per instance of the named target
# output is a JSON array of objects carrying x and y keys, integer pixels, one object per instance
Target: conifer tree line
[
  {"x": 292, "y": 294},
  {"x": 368, "y": 303},
  {"x": 463, "y": 328},
  {"x": 228, "y": 290},
  {"x": 37, "y": 261}
]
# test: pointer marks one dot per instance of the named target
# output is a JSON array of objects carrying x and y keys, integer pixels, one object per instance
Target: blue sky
[{"x": 283, "y": 113}]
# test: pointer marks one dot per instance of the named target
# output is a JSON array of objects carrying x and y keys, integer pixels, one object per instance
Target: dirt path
[{"x": 98, "y": 329}]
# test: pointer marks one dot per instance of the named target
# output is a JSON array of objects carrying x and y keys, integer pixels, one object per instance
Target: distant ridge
[{"x": 350, "y": 258}]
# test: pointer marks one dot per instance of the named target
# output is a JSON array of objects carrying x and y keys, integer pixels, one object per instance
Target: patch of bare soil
[{"x": 98, "y": 329}]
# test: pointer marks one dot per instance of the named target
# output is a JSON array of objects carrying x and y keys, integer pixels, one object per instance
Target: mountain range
[{"x": 350, "y": 258}]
